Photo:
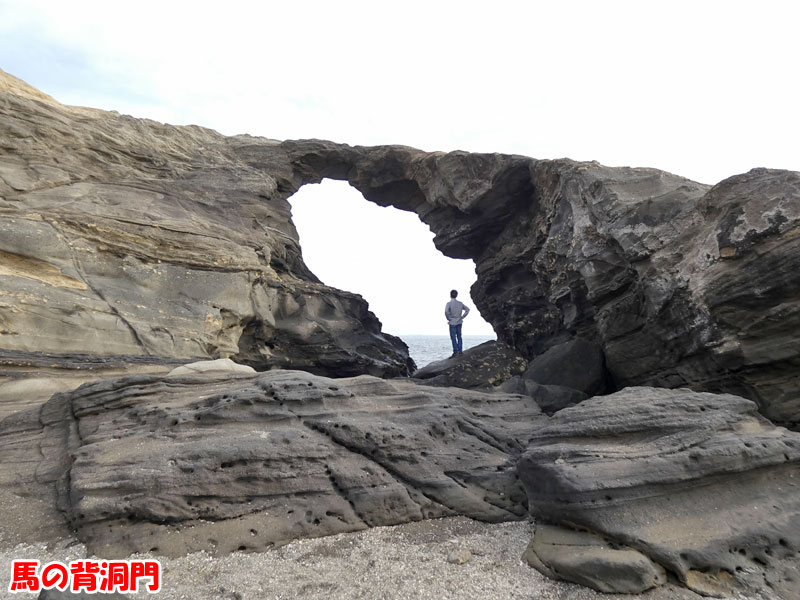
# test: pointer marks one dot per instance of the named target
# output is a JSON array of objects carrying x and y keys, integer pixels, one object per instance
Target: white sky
[{"x": 705, "y": 89}]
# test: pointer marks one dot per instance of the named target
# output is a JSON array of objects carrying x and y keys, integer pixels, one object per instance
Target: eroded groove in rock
[
  {"x": 182, "y": 463},
  {"x": 699, "y": 483}
]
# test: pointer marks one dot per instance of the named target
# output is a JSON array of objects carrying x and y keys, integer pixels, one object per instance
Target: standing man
[{"x": 455, "y": 312}]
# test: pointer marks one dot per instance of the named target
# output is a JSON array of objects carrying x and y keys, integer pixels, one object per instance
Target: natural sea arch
[{"x": 384, "y": 254}]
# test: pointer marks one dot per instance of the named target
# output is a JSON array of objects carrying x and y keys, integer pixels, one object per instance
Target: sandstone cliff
[
  {"x": 126, "y": 244},
  {"x": 127, "y": 238},
  {"x": 129, "y": 246}
]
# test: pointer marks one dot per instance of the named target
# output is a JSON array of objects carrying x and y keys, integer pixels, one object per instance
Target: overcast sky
[{"x": 704, "y": 89}]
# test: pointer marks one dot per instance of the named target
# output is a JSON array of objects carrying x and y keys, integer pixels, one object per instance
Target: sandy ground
[{"x": 416, "y": 561}]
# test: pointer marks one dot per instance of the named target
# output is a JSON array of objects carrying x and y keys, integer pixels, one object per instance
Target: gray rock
[
  {"x": 219, "y": 462},
  {"x": 459, "y": 556},
  {"x": 176, "y": 243},
  {"x": 483, "y": 366},
  {"x": 123, "y": 237},
  {"x": 221, "y": 365},
  {"x": 576, "y": 364},
  {"x": 550, "y": 398},
  {"x": 681, "y": 284},
  {"x": 699, "y": 483},
  {"x": 589, "y": 560}
]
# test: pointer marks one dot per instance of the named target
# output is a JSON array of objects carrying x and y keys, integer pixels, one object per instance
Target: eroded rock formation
[
  {"x": 699, "y": 484},
  {"x": 130, "y": 245},
  {"x": 177, "y": 464},
  {"x": 681, "y": 284},
  {"x": 127, "y": 237}
]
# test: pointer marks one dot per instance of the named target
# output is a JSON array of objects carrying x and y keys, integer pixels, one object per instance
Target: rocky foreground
[
  {"x": 627, "y": 488},
  {"x": 621, "y": 297}
]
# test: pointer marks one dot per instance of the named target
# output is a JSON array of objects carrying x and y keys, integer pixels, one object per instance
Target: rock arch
[{"x": 668, "y": 275}]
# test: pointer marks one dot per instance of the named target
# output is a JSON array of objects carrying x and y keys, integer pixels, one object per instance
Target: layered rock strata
[
  {"x": 698, "y": 484},
  {"x": 219, "y": 463},
  {"x": 123, "y": 237},
  {"x": 128, "y": 242},
  {"x": 681, "y": 284}
]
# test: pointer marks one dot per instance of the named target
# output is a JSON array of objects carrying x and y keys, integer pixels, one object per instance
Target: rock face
[
  {"x": 679, "y": 283},
  {"x": 128, "y": 243},
  {"x": 698, "y": 483},
  {"x": 178, "y": 464},
  {"x": 550, "y": 398},
  {"x": 168, "y": 243},
  {"x": 128, "y": 246}
]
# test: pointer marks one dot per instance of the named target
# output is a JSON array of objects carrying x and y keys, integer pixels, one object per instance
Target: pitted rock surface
[
  {"x": 699, "y": 483},
  {"x": 178, "y": 464}
]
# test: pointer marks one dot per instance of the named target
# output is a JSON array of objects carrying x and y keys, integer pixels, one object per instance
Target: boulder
[
  {"x": 589, "y": 560},
  {"x": 576, "y": 364},
  {"x": 484, "y": 366},
  {"x": 699, "y": 483},
  {"x": 223, "y": 462},
  {"x": 550, "y": 398}
]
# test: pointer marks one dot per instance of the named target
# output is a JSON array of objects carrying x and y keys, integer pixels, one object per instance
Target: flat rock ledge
[
  {"x": 172, "y": 465},
  {"x": 699, "y": 484}
]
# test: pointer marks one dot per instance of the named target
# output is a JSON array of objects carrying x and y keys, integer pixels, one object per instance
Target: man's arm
[{"x": 466, "y": 310}]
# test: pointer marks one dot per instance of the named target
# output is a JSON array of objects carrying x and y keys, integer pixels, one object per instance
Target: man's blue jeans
[{"x": 455, "y": 337}]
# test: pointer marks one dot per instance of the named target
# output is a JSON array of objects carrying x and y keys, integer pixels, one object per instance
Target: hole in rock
[{"x": 386, "y": 255}]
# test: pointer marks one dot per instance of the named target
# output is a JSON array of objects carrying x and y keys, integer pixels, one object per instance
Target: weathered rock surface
[
  {"x": 699, "y": 483},
  {"x": 589, "y": 560},
  {"x": 221, "y": 365},
  {"x": 122, "y": 238},
  {"x": 480, "y": 367},
  {"x": 681, "y": 284},
  {"x": 177, "y": 464}
]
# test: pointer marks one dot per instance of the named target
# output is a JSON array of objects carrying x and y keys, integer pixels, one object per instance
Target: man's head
[{"x": 453, "y": 293}]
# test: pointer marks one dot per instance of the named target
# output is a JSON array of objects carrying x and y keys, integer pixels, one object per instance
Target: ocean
[{"x": 426, "y": 349}]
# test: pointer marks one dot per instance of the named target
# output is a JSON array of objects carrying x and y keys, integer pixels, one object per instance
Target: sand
[{"x": 416, "y": 561}]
